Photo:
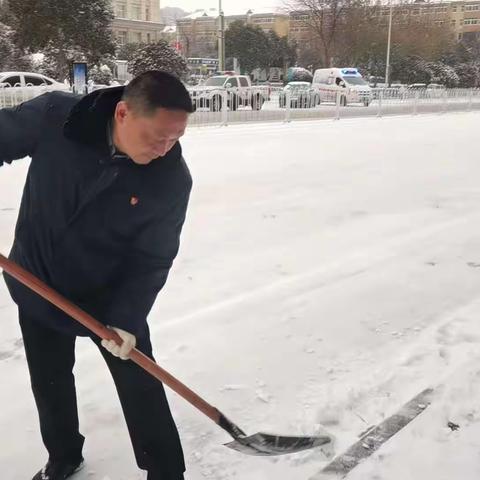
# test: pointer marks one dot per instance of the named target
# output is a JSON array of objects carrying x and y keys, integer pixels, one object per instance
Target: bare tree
[
  {"x": 359, "y": 35},
  {"x": 326, "y": 20},
  {"x": 186, "y": 42},
  {"x": 354, "y": 32}
]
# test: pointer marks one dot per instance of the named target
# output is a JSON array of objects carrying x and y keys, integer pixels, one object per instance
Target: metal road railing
[
  {"x": 11, "y": 96},
  {"x": 272, "y": 104},
  {"x": 290, "y": 106}
]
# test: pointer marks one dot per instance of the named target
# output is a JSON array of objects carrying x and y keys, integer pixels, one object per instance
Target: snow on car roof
[
  {"x": 22, "y": 73},
  {"x": 3, "y": 74}
]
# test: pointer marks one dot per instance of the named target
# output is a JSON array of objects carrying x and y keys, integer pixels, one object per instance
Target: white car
[
  {"x": 237, "y": 89},
  {"x": 347, "y": 84},
  {"x": 432, "y": 90},
  {"x": 17, "y": 87}
]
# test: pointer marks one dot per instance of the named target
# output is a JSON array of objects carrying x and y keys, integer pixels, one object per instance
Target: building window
[
  {"x": 149, "y": 38},
  {"x": 138, "y": 37},
  {"x": 136, "y": 11},
  {"x": 300, "y": 17},
  {"x": 453, "y": 23},
  {"x": 122, "y": 38},
  {"x": 121, "y": 9},
  {"x": 147, "y": 14},
  {"x": 471, "y": 8}
]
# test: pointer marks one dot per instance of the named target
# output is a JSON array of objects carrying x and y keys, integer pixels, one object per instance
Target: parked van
[{"x": 348, "y": 81}]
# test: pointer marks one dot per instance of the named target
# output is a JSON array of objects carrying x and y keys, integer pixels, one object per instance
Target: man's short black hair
[{"x": 156, "y": 89}]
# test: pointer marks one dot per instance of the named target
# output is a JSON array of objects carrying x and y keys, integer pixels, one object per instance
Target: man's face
[{"x": 145, "y": 137}]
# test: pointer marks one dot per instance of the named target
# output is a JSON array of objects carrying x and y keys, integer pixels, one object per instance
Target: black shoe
[
  {"x": 58, "y": 470},
  {"x": 157, "y": 476}
]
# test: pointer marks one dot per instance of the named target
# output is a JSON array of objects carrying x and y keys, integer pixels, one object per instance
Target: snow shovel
[{"x": 260, "y": 444}]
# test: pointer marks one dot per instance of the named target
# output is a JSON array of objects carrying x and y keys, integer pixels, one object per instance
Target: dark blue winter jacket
[{"x": 100, "y": 229}]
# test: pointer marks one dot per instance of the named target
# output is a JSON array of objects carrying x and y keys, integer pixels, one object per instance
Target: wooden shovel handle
[{"x": 35, "y": 284}]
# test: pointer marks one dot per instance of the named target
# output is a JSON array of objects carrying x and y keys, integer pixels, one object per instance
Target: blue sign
[
  {"x": 350, "y": 71},
  {"x": 79, "y": 77}
]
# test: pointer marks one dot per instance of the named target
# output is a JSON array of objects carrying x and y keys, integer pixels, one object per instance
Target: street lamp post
[
  {"x": 221, "y": 37},
  {"x": 387, "y": 69}
]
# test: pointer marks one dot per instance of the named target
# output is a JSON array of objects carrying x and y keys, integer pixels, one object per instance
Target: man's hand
[{"x": 123, "y": 351}]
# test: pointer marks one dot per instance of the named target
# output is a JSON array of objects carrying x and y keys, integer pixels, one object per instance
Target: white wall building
[{"x": 137, "y": 21}]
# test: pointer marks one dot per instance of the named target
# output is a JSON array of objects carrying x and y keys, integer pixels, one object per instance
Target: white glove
[{"x": 123, "y": 351}]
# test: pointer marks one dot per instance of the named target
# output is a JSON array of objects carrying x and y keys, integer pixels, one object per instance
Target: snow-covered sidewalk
[{"x": 328, "y": 273}]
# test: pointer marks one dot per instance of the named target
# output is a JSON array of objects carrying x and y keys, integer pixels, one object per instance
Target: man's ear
[{"x": 121, "y": 111}]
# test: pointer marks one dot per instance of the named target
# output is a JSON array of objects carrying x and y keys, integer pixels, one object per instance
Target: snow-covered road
[{"x": 329, "y": 271}]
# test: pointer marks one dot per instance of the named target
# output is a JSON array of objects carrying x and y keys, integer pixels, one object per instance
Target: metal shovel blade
[{"x": 265, "y": 444}]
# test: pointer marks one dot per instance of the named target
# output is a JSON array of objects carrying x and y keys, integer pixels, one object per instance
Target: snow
[
  {"x": 231, "y": 10},
  {"x": 170, "y": 29},
  {"x": 329, "y": 272},
  {"x": 211, "y": 12}
]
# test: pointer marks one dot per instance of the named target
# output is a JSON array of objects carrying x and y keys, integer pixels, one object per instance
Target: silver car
[{"x": 301, "y": 94}]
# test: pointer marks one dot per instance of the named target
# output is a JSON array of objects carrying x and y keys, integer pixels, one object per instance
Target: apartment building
[
  {"x": 462, "y": 17},
  {"x": 198, "y": 32},
  {"x": 137, "y": 21}
]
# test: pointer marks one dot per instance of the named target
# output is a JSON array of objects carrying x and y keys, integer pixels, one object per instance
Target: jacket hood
[{"x": 88, "y": 119}]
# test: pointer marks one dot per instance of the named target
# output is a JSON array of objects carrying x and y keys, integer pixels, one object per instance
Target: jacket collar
[
  {"x": 115, "y": 154},
  {"x": 89, "y": 118}
]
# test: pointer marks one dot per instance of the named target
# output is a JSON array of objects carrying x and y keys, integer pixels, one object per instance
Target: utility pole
[
  {"x": 221, "y": 37},
  {"x": 387, "y": 69}
]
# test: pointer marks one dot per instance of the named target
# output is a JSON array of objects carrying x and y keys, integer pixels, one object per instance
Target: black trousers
[{"x": 51, "y": 357}]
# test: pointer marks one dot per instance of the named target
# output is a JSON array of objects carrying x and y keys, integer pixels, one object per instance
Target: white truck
[
  {"x": 348, "y": 83},
  {"x": 236, "y": 90}
]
